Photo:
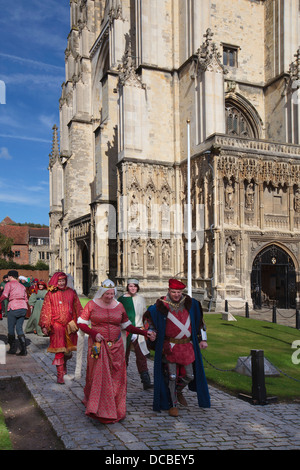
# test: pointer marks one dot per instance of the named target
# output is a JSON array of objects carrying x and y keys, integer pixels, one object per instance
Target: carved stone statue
[
  {"x": 230, "y": 253},
  {"x": 150, "y": 255},
  {"x": 297, "y": 200},
  {"x": 134, "y": 255},
  {"x": 250, "y": 196},
  {"x": 229, "y": 195}
]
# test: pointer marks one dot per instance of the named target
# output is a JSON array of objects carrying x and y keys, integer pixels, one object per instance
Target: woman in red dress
[{"x": 106, "y": 381}]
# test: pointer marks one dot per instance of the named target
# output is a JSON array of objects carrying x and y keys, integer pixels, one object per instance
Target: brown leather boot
[
  {"x": 173, "y": 411},
  {"x": 181, "y": 399}
]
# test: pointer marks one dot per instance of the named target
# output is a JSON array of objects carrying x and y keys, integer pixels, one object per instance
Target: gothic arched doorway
[
  {"x": 273, "y": 279},
  {"x": 85, "y": 270}
]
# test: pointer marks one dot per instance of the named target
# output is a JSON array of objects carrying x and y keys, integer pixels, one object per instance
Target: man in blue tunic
[{"x": 177, "y": 320}]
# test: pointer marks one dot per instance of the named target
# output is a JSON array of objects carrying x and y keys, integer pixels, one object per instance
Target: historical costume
[
  {"x": 106, "y": 381},
  {"x": 178, "y": 362},
  {"x": 33, "y": 288},
  {"x": 24, "y": 280},
  {"x": 135, "y": 306},
  {"x": 36, "y": 301},
  {"x": 58, "y": 319},
  {"x": 3, "y": 305},
  {"x": 16, "y": 294}
]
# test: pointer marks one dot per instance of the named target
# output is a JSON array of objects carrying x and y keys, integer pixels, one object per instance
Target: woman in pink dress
[{"x": 106, "y": 381}]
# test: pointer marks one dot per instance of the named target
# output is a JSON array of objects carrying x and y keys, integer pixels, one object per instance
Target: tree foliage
[{"x": 5, "y": 246}]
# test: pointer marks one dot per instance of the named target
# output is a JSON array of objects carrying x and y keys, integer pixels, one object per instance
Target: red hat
[
  {"x": 175, "y": 284},
  {"x": 55, "y": 277},
  {"x": 42, "y": 283}
]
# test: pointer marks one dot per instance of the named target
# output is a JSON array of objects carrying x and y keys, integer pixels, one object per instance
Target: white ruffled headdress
[{"x": 105, "y": 286}]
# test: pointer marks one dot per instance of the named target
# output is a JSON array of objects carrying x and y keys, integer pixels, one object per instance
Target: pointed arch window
[{"x": 237, "y": 123}]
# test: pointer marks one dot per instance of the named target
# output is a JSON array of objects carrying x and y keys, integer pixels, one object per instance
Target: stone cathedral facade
[{"x": 147, "y": 83}]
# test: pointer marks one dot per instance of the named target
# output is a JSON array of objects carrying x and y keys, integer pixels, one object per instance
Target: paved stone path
[{"x": 230, "y": 423}]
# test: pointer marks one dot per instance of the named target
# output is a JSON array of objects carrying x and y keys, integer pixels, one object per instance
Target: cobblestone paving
[{"x": 230, "y": 423}]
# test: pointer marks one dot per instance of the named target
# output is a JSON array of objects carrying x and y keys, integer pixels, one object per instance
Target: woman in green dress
[{"x": 36, "y": 301}]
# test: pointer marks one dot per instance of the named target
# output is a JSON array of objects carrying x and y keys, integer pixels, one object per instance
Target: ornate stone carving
[
  {"x": 259, "y": 170},
  {"x": 229, "y": 194},
  {"x": 135, "y": 263},
  {"x": 294, "y": 70},
  {"x": 134, "y": 214},
  {"x": 230, "y": 252},
  {"x": 150, "y": 254},
  {"x": 297, "y": 200},
  {"x": 249, "y": 196},
  {"x": 128, "y": 75},
  {"x": 166, "y": 253},
  {"x": 208, "y": 55},
  {"x": 115, "y": 13}
]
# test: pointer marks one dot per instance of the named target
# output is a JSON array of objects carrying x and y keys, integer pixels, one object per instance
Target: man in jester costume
[
  {"x": 178, "y": 322},
  {"x": 135, "y": 307}
]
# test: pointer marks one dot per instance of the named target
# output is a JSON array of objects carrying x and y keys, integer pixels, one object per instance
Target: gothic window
[
  {"x": 237, "y": 123},
  {"x": 230, "y": 56}
]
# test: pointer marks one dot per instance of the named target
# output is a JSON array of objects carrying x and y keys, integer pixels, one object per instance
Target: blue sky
[{"x": 33, "y": 38}]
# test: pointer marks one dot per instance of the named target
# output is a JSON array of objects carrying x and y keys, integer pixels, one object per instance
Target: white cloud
[
  {"x": 35, "y": 189},
  {"x": 20, "y": 193},
  {"x": 32, "y": 81},
  {"x": 47, "y": 120},
  {"x": 15, "y": 199},
  {"x": 33, "y": 63},
  {"x": 4, "y": 153},
  {"x": 23, "y": 137},
  {"x": 22, "y": 199}
]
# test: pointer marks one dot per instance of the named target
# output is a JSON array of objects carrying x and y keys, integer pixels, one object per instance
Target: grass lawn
[
  {"x": 5, "y": 442},
  {"x": 229, "y": 340},
  {"x": 84, "y": 301}
]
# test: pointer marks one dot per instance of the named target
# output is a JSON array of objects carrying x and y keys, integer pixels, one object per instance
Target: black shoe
[
  {"x": 145, "y": 378},
  {"x": 13, "y": 344},
  {"x": 23, "y": 351}
]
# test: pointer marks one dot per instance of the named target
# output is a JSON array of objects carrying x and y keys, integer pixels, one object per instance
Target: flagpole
[{"x": 189, "y": 216}]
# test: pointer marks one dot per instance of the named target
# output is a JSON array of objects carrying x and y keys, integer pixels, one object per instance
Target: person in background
[
  {"x": 33, "y": 286},
  {"x": 3, "y": 305},
  {"x": 58, "y": 320},
  {"x": 17, "y": 306},
  {"x": 26, "y": 283},
  {"x": 135, "y": 307},
  {"x": 102, "y": 319},
  {"x": 36, "y": 301},
  {"x": 177, "y": 320}
]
